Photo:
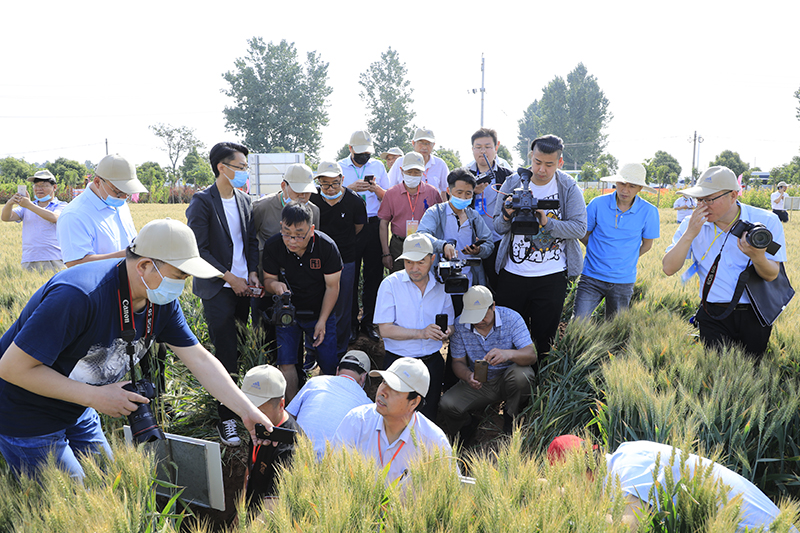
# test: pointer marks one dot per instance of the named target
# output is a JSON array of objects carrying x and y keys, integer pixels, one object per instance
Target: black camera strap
[
  {"x": 737, "y": 293},
  {"x": 127, "y": 325}
]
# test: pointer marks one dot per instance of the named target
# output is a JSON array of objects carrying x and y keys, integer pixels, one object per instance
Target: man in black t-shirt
[
  {"x": 309, "y": 266},
  {"x": 342, "y": 216}
]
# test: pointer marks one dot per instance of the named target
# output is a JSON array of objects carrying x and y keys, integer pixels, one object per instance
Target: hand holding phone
[
  {"x": 481, "y": 373},
  {"x": 22, "y": 190},
  {"x": 369, "y": 178},
  {"x": 278, "y": 434},
  {"x": 441, "y": 321}
]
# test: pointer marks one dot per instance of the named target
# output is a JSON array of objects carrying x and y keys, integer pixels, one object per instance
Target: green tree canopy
[
  {"x": 576, "y": 110},
  {"x": 589, "y": 172},
  {"x": 151, "y": 173},
  {"x": 344, "y": 151},
  {"x": 196, "y": 169},
  {"x": 656, "y": 174},
  {"x": 178, "y": 140},
  {"x": 451, "y": 157},
  {"x": 387, "y": 93},
  {"x": 505, "y": 154},
  {"x": 278, "y": 101},
  {"x": 13, "y": 170},
  {"x": 730, "y": 159},
  {"x": 797, "y": 95},
  {"x": 607, "y": 165},
  {"x": 68, "y": 173}
]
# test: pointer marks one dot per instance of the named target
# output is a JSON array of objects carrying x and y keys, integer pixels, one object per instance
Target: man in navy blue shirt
[{"x": 64, "y": 358}]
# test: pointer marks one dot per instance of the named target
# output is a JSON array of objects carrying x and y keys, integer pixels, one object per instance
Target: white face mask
[{"x": 411, "y": 181}]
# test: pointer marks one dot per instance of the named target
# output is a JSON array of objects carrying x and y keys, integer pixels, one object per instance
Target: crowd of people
[{"x": 479, "y": 260}]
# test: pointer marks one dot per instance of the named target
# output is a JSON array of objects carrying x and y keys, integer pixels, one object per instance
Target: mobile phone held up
[
  {"x": 278, "y": 434},
  {"x": 441, "y": 321},
  {"x": 481, "y": 373},
  {"x": 22, "y": 189},
  {"x": 369, "y": 178}
]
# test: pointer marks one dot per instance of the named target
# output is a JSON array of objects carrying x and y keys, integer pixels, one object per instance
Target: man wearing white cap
[
  {"x": 391, "y": 431},
  {"x": 97, "y": 224},
  {"x": 40, "y": 249},
  {"x": 778, "y": 199},
  {"x": 499, "y": 337},
  {"x": 436, "y": 170},
  {"x": 367, "y": 178},
  {"x": 264, "y": 386},
  {"x": 621, "y": 227},
  {"x": 408, "y": 302},
  {"x": 391, "y": 155},
  {"x": 98, "y": 317},
  {"x": 323, "y": 401},
  {"x": 703, "y": 239}
]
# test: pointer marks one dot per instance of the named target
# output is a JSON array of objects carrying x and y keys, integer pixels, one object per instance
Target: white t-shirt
[
  {"x": 543, "y": 254},
  {"x": 780, "y": 205},
  {"x": 239, "y": 265},
  {"x": 684, "y": 201}
]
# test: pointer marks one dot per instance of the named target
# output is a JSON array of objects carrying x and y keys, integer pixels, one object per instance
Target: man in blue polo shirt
[{"x": 621, "y": 227}]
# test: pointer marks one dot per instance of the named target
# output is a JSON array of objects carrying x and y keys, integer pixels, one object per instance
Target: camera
[
  {"x": 282, "y": 312},
  {"x": 757, "y": 235},
  {"x": 449, "y": 273},
  {"x": 143, "y": 424},
  {"x": 524, "y": 205}
]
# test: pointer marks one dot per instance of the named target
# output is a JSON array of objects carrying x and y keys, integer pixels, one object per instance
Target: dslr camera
[
  {"x": 524, "y": 220},
  {"x": 142, "y": 422},
  {"x": 282, "y": 312},
  {"x": 450, "y": 274},
  {"x": 758, "y": 236}
]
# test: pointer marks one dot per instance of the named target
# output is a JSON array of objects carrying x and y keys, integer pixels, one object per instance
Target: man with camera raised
[
  {"x": 703, "y": 238},
  {"x": 98, "y": 317},
  {"x": 533, "y": 263},
  {"x": 309, "y": 266}
]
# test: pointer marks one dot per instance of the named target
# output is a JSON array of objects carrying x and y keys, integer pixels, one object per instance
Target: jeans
[
  {"x": 28, "y": 454},
  {"x": 591, "y": 291},
  {"x": 289, "y": 339}
]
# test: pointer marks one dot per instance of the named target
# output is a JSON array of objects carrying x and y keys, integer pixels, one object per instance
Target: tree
[
  {"x": 68, "y": 172},
  {"x": 344, "y": 152},
  {"x": 451, "y": 157},
  {"x": 13, "y": 170},
  {"x": 797, "y": 95},
  {"x": 387, "y": 93},
  {"x": 196, "y": 169},
  {"x": 576, "y": 110},
  {"x": 589, "y": 172},
  {"x": 505, "y": 154},
  {"x": 669, "y": 174},
  {"x": 151, "y": 173},
  {"x": 607, "y": 165},
  {"x": 731, "y": 160},
  {"x": 278, "y": 102},
  {"x": 178, "y": 140}
]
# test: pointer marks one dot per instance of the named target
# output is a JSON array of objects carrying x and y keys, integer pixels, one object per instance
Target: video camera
[
  {"x": 449, "y": 273},
  {"x": 142, "y": 422},
  {"x": 524, "y": 220},
  {"x": 757, "y": 235},
  {"x": 282, "y": 312}
]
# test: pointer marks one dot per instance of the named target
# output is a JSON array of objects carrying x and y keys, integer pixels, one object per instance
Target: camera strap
[
  {"x": 127, "y": 325},
  {"x": 737, "y": 293}
]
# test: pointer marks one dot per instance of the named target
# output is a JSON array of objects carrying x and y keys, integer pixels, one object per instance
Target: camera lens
[
  {"x": 759, "y": 237},
  {"x": 286, "y": 319}
]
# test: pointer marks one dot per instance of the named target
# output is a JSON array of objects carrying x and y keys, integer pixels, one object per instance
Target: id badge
[{"x": 411, "y": 226}]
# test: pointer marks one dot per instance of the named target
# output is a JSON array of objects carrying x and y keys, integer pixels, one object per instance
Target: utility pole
[
  {"x": 695, "y": 151},
  {"x": 483, "y": 88},
  {"x": 106, "y": 145}
]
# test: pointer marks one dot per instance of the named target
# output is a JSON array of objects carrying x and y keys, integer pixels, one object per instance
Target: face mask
[
  {"x": 239, "y": 178},
  {"x": 411, "y": 181},
  {"x": 45, "y": 199},
  {"x": 460, "y": 203},
  {"x": 113, "y": 202},
  {"x": 334, "y": 197},
  {"x": 167, "y": 291},
  {"x": 361, "y": 159}
]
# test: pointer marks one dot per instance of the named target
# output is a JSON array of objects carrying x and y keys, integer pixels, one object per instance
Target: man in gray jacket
[{"x": 533, "y": 269}]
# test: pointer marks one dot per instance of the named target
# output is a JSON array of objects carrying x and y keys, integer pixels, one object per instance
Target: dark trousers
[
  {"x": 368, "y": 253},
  {"x": 435, "y": 364},
  {"x": 741, "y": 327},
  {"x": 539, "y": 300},
  {"x": 782, "y": 215},
  {"x": 488, "y": 268},
  {"x": 223, "y": 313}
]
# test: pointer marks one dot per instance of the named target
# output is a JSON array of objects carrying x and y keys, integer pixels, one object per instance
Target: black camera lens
[
  {"x": 759, "y": 237},
  {"x": 143, "y": 424}
]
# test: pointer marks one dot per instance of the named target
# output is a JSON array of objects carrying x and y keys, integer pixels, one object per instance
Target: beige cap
[
  {"x": 781, "y": 184},
  {"x": 406, "y": 374},
  {"x": 361, "y": 141},
  {"x": 263, "y": 383},
  {"x": 416, "y": 247},
  {"x": 413, "y": 160},
  {"x": 328, "y": 169},
  {"x": 714, "y": 179},
  {"x": 424, "y": 135},
  {"x": 358, "y": 358},
  {"x": 43, "y": 175},
  {"x": 476, "y": 301},
  {"x": 300, "y": 178},
  {"x": 633, "y": 174},
  {"x": 392, "y": 151},
  {"x": 122, "y": 174},
  {"x": 174, "y": 243}
]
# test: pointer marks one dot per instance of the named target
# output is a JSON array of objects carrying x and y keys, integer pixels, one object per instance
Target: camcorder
[
  {"x": 523, "y": 219},
  {"x": 758, "y": 236},
  {"x": 283, "y": 313},
  {"x": 142, "y": 422},
  {"x": 450, "y": 274}
]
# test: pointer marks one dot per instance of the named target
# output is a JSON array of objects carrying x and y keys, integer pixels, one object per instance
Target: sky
[{"x": 75, "y": 74}]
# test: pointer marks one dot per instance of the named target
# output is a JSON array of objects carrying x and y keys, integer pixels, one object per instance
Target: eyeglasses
[
  {"x": 114, "y": 191},
  {"x": 709, "y": 201},
  {"x": 330, "y": 185},
  {"x": 288, "y": 237},
  {"x": 246, "y": 167}
]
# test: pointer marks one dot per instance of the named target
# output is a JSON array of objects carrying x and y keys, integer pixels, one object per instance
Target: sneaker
[
  {"x": 227, "y": 432},
  {"x": 309, "y": 363}
]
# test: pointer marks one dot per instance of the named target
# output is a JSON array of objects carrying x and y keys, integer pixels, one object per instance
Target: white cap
[
  {"x": 361, "y": 141},
  {"x": 263, "y": 383},
  {"x": 632, "y": 173},
  {"x": 413, "y": 160},
  {"x": 122, "y": 174},
  {"x": 300, "y": 178},
  {"x": 174, "y": 243},
  {"x": 406, "y": 374},
  {"x": 416, "y": 247},
  {"x": 328, "y": 169},
  {"x": 476, "y": 301},
  {"x": 423, "y": 134},
  {"x": 714, "y": 179}
]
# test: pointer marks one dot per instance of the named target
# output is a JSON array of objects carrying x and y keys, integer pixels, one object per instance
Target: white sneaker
[{"x": 227, "y": 432}]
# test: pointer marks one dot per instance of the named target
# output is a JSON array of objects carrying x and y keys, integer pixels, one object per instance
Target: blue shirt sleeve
[
  {"x": 591, "y": 215},
  {"x": 652, "y": 225},
  {"x": 175, "y": 330},
  {"x": 74, "y": 237}
]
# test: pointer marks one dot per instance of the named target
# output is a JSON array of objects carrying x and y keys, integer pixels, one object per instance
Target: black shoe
[
  {"x": 369, "y": 329},
  {"x": 354, "y": 332},
  {"x": 508, "y": 424},
  {"x": 227, "y": 432},
  {"x": 467, "y": 432}
]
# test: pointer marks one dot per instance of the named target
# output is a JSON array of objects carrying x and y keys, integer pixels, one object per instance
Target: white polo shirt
[
  {"x": 400, "y": 302},
  {"x": 362, "y": 429},
  {"x": 435, "y": 173}
]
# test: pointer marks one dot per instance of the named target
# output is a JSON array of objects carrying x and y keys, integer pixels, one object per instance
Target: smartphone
[
  {"x": 255, "y": 291},
  {"x": 369, "y": 178},
  {"x": 481, "y": 371},
  {"x": 22, "y": 189},
  {"x": 478, "y": 242},
  {"x": 279, "y": 434},
  {"x": 441, "y": 321}
]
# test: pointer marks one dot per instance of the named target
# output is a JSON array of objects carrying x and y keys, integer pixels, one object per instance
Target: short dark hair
[
  {"x": 133, "y": 256},
  {"x": 223, "y": 152},
  {"x": 461, "y": 174},
  {"x": 484, "y": 132},
  {"x": 47, "y": 180},
  {"x": 413, "y": 395},
  {"x": 296, "y": 213},
  {"x": 352, "y": 367},
  {"x": 548, "y": 144}
]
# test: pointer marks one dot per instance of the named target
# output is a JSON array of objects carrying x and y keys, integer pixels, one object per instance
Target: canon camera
[{"x": 142, "y": 422}]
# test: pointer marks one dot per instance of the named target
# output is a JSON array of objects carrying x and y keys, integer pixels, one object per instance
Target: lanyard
[
  {"x": 127, "y": 324},
  {"x": 416, "y": 201},
  {"x": 380, "y": 452}
]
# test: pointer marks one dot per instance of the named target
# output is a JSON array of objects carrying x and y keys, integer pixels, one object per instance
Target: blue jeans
[
  {"x": 591, "y": 292},
  {"x": 28, "y": 454},
  {"x": 289, "y": 339}
]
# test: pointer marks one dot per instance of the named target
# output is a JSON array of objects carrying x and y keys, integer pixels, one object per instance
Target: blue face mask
[
  {"x": 45, "y": 199},
  {"x": 460, "y": 203},
  {"x": 239, "y": 178},
  {"x": 334, "y": 197},
  {"x": 111, "y": 201},
  {"x": 167, "y": 291}
]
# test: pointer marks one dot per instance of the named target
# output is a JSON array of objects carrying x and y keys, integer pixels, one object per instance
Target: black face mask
[{"x": 361, "y": 159}]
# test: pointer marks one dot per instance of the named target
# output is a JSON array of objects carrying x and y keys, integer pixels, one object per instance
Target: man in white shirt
[
  {"x": 778, "y": 199},
  {"x": 436, "y": 170},
  {"x": 391, "y": 430},
  {"x": 684, "y": 205}
]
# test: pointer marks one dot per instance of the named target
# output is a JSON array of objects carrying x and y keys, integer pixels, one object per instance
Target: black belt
[
  {"x": 423, "y": 358},
  {"x": 739, "y": 307},
  {"x": 395, "y": 236},
  {"x": 373, "y": 219}
]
